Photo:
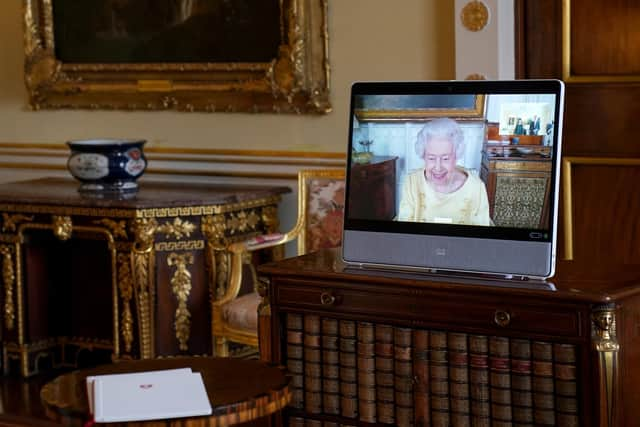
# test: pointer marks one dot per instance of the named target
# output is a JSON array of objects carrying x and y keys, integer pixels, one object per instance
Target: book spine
[
  {"x": 384, "y": 374},
  {"x": 312, "y": 367},
  {"x": 564, "y": 356},
  {"x": 439, "y": 379},
  {"x": 366, "y": 372},
  {"x": 330, "y": 367},
  {"x": 421, "y": 402},
  {"x": 479, "y": 380},
  {"x": 348, "y": 373},
  {"x": 543, "y": 383},
  {"x": 521, "y": 384},
  {"x": 403, "y": 376},
  {"x": 294, "y": 362},
  {"x": 459, "y": 380},
  {"x": 296, "y": 422},
  {"x": 500, "y": 381}
]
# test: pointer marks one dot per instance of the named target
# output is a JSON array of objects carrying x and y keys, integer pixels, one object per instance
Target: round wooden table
[{"x": 239, "y": 390}]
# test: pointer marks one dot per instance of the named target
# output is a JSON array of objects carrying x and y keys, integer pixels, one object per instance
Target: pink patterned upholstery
[
  {"x": 321, "y": 196},
  {"x": 325, "y": 210},
  {"x": 242, "y": 312}
]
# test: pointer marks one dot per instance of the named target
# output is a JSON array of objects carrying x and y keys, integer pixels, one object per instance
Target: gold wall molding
[
  {"x": 224, "y": 153},
  {"x": 474, "y": 15},
  {"x": 476, "y": 76},
  {"x": 567, "y": 166},
  {"x": 567, "y": 74},
  {"x": 182, "y": 162}
]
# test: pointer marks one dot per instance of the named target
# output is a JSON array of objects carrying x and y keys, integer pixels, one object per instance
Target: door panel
[{"x": 599, "y": 59}]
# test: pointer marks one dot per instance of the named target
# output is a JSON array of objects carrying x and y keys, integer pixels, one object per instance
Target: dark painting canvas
[{"x": 149, "y": 31}]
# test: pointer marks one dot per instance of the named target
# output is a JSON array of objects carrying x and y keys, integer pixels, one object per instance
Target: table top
[
  {"x": 570, "y": 284},
  {"x": 151, "y": 194},
  {"x": 239, "y": 390}
]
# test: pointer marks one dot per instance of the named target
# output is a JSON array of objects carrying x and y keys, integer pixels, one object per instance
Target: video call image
[{"x": 480, "y": 160}]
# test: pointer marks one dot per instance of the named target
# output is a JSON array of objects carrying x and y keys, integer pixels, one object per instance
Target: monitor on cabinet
[{"x": 476, "y": 176}]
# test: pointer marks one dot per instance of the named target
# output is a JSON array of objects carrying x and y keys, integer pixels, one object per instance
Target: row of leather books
[
  {"x": 385, "y": 374},
  {"x": 308, "y": 422}
]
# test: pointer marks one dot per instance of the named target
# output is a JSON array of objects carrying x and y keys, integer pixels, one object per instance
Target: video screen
[{"x": 481, "y": 160}]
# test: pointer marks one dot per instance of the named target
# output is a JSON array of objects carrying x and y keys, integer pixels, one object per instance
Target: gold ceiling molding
[
  {"x": 474, "y": 15},
  {"x": 567, "y": 74}
]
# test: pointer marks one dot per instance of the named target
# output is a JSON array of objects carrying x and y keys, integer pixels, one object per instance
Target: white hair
[{"x": 440, "y": 128}]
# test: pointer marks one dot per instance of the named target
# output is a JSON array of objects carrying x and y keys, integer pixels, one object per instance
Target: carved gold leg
[
  {"x": 605, "y": 343},
  {"x": 142, "y": 257},
  {"x": 222, "y": 347},
  {"x": 181, "y": 288}
]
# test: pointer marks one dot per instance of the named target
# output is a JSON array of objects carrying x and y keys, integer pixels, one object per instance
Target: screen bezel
[{"x": 483, "y": 87}]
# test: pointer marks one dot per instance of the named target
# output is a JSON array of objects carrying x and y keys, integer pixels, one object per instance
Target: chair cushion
[{"x": 242, "y": 312}]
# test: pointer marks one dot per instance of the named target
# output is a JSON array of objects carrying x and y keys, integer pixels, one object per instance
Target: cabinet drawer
[{"x": 438, "y": 310}]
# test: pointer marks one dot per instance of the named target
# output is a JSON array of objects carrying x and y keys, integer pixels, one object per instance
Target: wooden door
[{"x": 594, "y": 46}]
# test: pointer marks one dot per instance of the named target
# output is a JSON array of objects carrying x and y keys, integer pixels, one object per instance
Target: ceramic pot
[{"x": 107, "y": 165}]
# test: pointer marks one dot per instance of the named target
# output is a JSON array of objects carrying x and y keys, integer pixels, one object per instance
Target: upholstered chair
[{"x": 319, "y": 225}]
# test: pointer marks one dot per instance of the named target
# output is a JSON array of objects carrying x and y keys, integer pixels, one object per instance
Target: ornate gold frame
[
  {"x": 296, "y": 81},
  {"x": 472, "y": 112}
]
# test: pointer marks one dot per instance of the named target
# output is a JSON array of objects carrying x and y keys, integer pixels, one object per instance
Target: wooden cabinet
[
  {"x": 129, "y": 276},
  {"x": 373, "y": 189},
  {"x": 388, "y": 348},
  {"x": 518, "y": 184}
]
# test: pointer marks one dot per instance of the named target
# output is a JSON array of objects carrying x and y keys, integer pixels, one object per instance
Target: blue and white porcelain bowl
[{"x": 107, "y": 165}]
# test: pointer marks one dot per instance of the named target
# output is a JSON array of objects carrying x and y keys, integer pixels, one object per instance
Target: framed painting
[
  {"x": 187, "y": 55},
  {"x": 417, "y": 107}
]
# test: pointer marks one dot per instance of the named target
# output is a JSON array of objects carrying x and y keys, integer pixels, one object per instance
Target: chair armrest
[{"x": 237, "y": 250}]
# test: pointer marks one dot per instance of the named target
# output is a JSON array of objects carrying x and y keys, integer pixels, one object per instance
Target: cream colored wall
[{"x": 369, "y": 40}]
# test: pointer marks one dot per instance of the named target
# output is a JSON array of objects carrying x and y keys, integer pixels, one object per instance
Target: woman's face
[{"x": 440, "y": 160}]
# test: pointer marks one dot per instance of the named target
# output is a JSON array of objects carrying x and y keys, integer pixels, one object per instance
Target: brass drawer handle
[
  {"x": 327, "y": 299},
  {"x": 502, "y": 318}
]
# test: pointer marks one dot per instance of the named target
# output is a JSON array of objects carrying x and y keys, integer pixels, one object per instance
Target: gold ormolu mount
[{"x": 605, "y": 342}]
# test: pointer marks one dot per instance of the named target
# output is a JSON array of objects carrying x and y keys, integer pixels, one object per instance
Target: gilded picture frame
[
  {"x": 405, "y": 108},
  {"x": 294, "y": 80}
]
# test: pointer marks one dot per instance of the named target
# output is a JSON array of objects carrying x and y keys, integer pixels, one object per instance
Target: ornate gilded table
[
  {"x": 132, "y": 277},
  {"x": 239, "y": 391}
]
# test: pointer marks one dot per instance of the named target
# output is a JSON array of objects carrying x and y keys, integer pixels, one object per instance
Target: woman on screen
[{"x": 442, "y": 192}]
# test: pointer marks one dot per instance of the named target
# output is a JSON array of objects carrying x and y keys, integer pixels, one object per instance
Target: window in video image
[{"x": 442, "y": 160}]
